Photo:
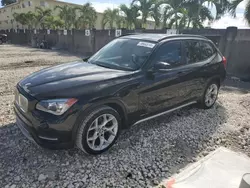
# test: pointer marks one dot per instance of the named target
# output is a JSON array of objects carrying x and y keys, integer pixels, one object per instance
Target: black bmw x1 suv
[{"x": 132, "y": 79}]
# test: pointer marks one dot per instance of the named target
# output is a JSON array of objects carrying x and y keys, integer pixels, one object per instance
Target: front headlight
[{"x": 55, "y": 106}]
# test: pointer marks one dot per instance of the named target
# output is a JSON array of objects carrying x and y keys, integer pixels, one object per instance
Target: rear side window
[
  {"x": 207, "y": 50},
  {"x": 169, "y": 53},
  {"x": 192, "y": 49}
]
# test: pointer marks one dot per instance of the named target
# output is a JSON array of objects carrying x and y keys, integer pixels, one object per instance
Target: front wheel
[
  {"x": 210, "y": 95},
  {"x": 99, "y": 130}
]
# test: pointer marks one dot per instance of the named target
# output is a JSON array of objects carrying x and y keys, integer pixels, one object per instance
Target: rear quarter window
[
  {"x": 192, "y": 49},
  {"x": 206, "y": 50}
]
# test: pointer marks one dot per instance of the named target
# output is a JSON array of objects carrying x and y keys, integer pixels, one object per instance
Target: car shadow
[
  {"x": 162, "y": 146},
  {"x": 236, "y": 86},
  {"x": 181, "y": 136}
]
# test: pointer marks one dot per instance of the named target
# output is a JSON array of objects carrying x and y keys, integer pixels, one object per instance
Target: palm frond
[
  {"x": 233, "y": 5},
  {"x": 247, "y": 13}
]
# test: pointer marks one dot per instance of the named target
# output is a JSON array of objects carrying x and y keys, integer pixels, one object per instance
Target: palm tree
[
  {"x": 25, "y": 19},
  {"x": 145, "y": 7},
  {"x": 220, "y": 5},
  {"x": 193, "y": 19},
  {"x": 131, "y": 15},
  {"x": 68, "y": 15},
  {"x": 41, "y": 15},
  {"x": 110, "y": 17},
  {"x": 184, "y": 14},
  {"x": 173, "y": 9},
  {"x": 20, "y": 18},
  {"x": 52, "y": 22},
  {"x": 87, "y": 17},
  {"x": 234, "y": 4},
  {"x": 156, "y": 13}
]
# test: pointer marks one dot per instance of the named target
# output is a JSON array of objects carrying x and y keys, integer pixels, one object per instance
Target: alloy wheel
[
  {"x": 102, "y": 132},
  {"x": 211, "y": 95}
]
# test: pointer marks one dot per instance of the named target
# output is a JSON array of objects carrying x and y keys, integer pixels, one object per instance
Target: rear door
[{"x": 200, "y": 57}]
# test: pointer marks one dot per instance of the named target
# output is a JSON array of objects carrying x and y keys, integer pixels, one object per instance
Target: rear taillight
[{"x": 224, "y": 61}]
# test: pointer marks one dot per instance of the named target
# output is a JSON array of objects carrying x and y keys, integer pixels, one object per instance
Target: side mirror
[
  {"x": 86, "y": 58},
  {"x": 160, "y": 65}
]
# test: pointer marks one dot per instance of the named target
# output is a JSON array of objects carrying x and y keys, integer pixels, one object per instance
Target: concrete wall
[{"x": 233, "y": 43}]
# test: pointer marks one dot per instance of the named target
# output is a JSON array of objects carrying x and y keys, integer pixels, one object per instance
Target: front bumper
[{"x": 53, "y": 141}]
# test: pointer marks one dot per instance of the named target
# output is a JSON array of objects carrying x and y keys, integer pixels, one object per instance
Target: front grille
[{"x": 21, "y": 101}]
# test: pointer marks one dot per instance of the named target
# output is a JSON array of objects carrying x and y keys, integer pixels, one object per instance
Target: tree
[
  {"x": 193, "y": 19},
  {"x": 220, "y": 5},
  {"x": 120, "y": 21},
  {"x": 156, "y": 13},
  {"x": 145, "y": 7},
  {"x": 87, "y": 17},
  {"x": 7, "y": 2},
  {"x": 68, "y": 15},
  {"x": 173, "y": 11},
  {"x": 20, "y": 18},
  {"x": 234, "y": 4},
  {"x": 25, "y": 19},
  {"x": 110, "y": 17},
  {"x": 52, "y": 22},
  {"x": 131, "y": 15},
  {"x": 41, "y": 15},
  {"x": 185, "y": 14}
]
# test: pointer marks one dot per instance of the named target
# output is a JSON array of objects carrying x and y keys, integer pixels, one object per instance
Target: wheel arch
[
  {"x": 216, "y": 79},
  {"x": 116, "y": 104}
]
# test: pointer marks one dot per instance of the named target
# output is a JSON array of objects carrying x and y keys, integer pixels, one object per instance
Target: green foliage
[
  {"x": 42, "y": 17},
  {"x": 68, "y": 15},
  {"x": 166, "y": 13},
  {"x": 25, "y": 19},
  {"x": 233, "y": 6},
  {"x": 131, "y": 15},
  {"x": 110, "y": 17},
  {"x": 145, "y": 7},
  {"x": 87, "y": 18},
  {"x": 52, "y": 22}
]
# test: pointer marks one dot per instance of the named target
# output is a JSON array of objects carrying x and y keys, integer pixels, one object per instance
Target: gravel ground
[{"x": 143, "y": 155}]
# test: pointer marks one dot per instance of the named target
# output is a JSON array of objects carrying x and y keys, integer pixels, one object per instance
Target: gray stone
[{"x": 42, "y": 177}]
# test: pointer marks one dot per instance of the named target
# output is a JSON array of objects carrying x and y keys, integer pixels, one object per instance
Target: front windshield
[{"x": 123, "y": 54}]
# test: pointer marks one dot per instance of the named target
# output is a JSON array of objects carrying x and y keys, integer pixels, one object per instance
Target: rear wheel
[
  {"x": 1, "y": 42},
  {"x": 210, "y": 95},
  {"x": 99, "y": 130}
]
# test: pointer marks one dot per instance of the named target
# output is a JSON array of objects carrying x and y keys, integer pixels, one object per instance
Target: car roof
[{"x": 159, "y": 37}]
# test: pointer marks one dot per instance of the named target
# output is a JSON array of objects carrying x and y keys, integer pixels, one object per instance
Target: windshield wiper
[{"x": 102, "y": 65}]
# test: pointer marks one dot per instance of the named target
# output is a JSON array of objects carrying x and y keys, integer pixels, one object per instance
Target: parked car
[
  {"x": 132, "y": 79},
  {"x": 3, "y": 38}
]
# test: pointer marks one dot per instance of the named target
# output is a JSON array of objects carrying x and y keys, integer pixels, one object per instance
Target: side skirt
[{"x": 166, "y": 112}]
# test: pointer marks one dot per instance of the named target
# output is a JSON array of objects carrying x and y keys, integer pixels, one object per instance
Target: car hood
[{"x": 65, "y": 76}]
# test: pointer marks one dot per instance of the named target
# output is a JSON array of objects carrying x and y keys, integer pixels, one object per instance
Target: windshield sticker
[{"x": 146, "y": 44}]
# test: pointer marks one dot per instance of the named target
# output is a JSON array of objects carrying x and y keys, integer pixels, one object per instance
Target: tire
[
  {"x": 92, "y": 135},
  {"x": 204, "y": 104},
  {"x": 1, "y": 42}
]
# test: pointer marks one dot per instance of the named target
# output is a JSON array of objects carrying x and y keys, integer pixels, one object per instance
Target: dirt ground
[{"x": 143, "y": 155}]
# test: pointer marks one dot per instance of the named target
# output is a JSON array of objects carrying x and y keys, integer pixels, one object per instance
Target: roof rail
[
  {"x": 182, "y": 35},
  {"x": 127, "y": 34}
]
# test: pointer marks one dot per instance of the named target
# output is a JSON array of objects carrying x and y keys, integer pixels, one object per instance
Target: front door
[{"x": 164, "y": 88}]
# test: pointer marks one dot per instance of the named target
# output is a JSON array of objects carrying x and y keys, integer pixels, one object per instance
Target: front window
[{"x": 123, "y": 54}]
